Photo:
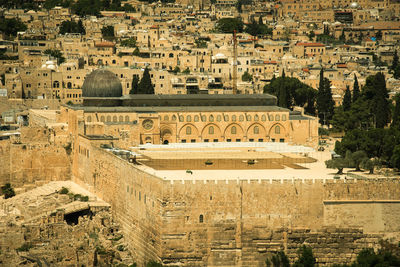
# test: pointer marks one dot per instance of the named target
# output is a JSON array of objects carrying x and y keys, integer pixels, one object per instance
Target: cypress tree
[
  {"x": 283, "y": 95},
  {"x": 81, "y": 28},
  {"x": 395, "y": 62},
  {"x": 283, "y": 73},
  {"x": 135, "y": 85},
  {"x": 382, "y": 109},
  {"x": 260, "y": 20},
  {"x": 396, "y": 113},
  {"x": 347, "y": 99},
  {"x": 320, "y": 97},
  {"x": 356, "y": 89},
  {"x": 145, "y": 86}
]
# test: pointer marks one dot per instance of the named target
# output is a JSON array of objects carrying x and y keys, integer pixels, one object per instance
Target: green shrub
[
  {"x": 25, "y": 247},
  {"x": 7, "y": 191},
  {"x": 64, "y": 191}
]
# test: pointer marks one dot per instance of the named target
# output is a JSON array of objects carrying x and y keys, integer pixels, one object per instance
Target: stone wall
[{"x": 238, "y": 222}]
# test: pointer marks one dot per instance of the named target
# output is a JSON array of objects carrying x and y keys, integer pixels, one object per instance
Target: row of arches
[
  {"x": 226, "y": 118},
  {"x": 234, "y": 131},
  {"x": 110, "y": 118}
]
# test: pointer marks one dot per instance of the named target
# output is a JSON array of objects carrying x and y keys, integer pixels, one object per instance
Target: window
[
  {"x": 248, "y": 117},
  {"x": 183, "y": 141},
  {"x": 102, "y": 118},
  {"x": 238, "y": 140},
  {"x": 173, "y": 118},
  {"x": 263, "y": 118},
  {"x": 284, "y": 117},
  {"x": 260, "y": 140},
  {"x": 108, "y": 118},
  {"x": 271, "y": 117},
  {"x": 277, "y": 117},
  {"x": 226, "y": 118},
  {"x": 188, "y": 118},
  {"x": 196, "y": 118},
  {"x": 219, "y": 117},
  {"x": 181, "y": 118},
  {"x": 233, "y": 130},
  {"x": 282, "y": 140},
  {"x": 201, "y": 218},
  {"x": 188, "y": 130},
  {"x": 233, "y": 117},
  {"x": 193, "y": 140},
  {"x": 115, "y": 119},
  {"x": 211, "y": 118},
  {"x": 166, "y": 118},
  {"x": 121, "y": 119},
  {"x": 126, "y": 118},
  {"x": 256, "y": 130},
  {"x": 89, "y": 119},
  {"x": 277, "y": 129},
  {"x": 211, "y": 130},
  {"x": 256, "y": 118},
  {"x": 241, "y": 118},
  {"x": 215, "y": 140},
  {"x": 203, "y": 118}
]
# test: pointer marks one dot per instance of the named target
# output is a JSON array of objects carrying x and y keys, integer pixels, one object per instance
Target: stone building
[{"x": 140, "y": 119}]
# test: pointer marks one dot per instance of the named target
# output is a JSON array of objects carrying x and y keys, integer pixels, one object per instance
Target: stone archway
[
  {"x": 234, "y": 133},
  {"x": 211, "y": 133},
  {"x": 166, "y": 136},
  {"x": 277, "y": 133},
  {"x": 256, "y": 133}
]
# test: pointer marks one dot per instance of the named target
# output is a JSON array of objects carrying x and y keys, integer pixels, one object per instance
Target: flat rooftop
[{"x": 227, "y": 161}]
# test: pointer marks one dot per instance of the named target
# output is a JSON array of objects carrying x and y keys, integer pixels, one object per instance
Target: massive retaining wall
[{"x": 239, "y": 222}]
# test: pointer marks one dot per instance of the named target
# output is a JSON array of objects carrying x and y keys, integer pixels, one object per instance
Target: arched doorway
[{"x": 166, "y": 136}]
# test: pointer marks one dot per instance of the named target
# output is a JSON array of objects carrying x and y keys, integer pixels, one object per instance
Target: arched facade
[
  {"x": 211, "y": 133},
  {"x": 188, "y": 133},
  {"x": 234, "y": 133},
  {"x": 277, "y": 133},
  {"x": 256, "y": 133}
]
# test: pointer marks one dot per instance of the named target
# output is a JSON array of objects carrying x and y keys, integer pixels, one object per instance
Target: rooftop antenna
[{"x": 234, "y": 81}]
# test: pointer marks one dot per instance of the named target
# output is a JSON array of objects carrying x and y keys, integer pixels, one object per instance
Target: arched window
[
  {"x": 211, "y": 130},
  {"x": 166, "y": 118},
  {"x": 277, "y": 117},
  {"x": 56, "y": 84},
  {"x": 126, "y": 118},
  {"x": 171, "y": 55},
  {"x": 277, "y": 129},
  {"x": 102, "y": 119},
  {"x": 248, "y": 117},
  {"x": 196, "y": 118},
  {"x": 115, "y": 119},
  {"x": 241, "y": 118},
  {"x": 271, "y": 117},
  {"x": 69, "y": 85},
  {"x": 211, "y": 118},
  {"x": 284, "y": 117},
  {"x": 108, "y": 118},
  {"x": 173, "y": 118},
  {"x": 189, "y": 118},
  {"x": 256, "y": 130},
  {"x": 256, "y": 118},
  {"x": 233, "y": 117},
  {"x": 203, "y": 118},
  {"x": 188, "y": 130},
  {"x": 219, "y": 117},
  {"x": 121, "y": 119},
  {"x": 233, "y": 130},
  {"x": 263, "y": 118},
  {"x": 226, "y": 118},
  {"x": 181, "y": 118},
  {"x": 201, "y": 218},
  {"x": 89, "y": 119}
]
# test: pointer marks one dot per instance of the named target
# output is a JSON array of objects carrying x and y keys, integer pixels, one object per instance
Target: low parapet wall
[{"x": 235, "y": 222}]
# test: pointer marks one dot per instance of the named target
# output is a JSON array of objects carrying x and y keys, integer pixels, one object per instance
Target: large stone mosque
[{"x": 156, "y": 119}]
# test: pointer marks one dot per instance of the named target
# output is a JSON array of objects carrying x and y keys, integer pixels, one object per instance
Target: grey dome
[{"x": 101, "y": 83}]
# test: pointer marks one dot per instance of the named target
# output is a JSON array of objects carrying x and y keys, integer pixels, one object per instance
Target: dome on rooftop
[
  {"x": 354, "y": 5},
  {"x": 101, "y": 83}
]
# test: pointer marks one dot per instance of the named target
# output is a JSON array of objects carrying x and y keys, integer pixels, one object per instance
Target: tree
[
  {"x": 186, "y": 71},
  {"x": 337, "y": 163},
  {"x": 135, "y": 85},
  {"x": 396, "y": 113},
  {"x": 395, "y": 68},
  {"x": 69, "y": 26},
  {"x": 306, "y": 257},
  {"x": 130, "y": 42},
  {"x": 247, "y": 77},
  {"x": 292, "y": 92},
  {"x": 356, "y": 89},
  {"x": 256, "y": 29},
  {"x": 278, "y": 260},
  {"x": 311, "y": 35},
  {"x": 260, "y": 20},
  {"x": 228, "y": 25},
  {"x": 108, "y": 33},
  {"x": 7, "y": 191},
  {"x": 378, "y": 35},
  {"x": 325, "y": 103},
  {"x": 145, "y": 86},
  {"x": 136, "y": 52},
  {"x": 356, "y": 158},
  {"x": 347, "y": 99},
  {"x": 153, "y": 264},
  {"x": 10, "y": 27},
  {"x": 57, "y": 54},
  {"x": 369, "y": 164}
]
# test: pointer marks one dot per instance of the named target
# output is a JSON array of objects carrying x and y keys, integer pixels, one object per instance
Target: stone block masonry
[{"x": 239, "y": 222}]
